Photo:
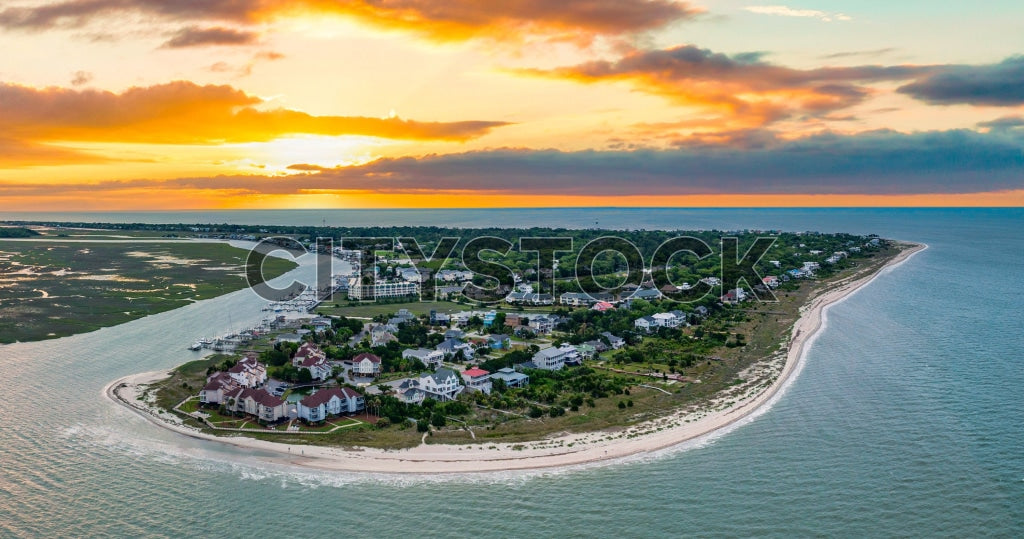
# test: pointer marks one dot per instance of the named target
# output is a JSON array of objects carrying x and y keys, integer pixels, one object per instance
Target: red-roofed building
[
  {"x": 477, "y": 379},
  {"x": 257, "y": 402},
  {"x": 310, "y": 357},
  {"x": 602, "y": 306},
  {"x": 217, "y": 386},
  {"x": 365, "y": 364}
]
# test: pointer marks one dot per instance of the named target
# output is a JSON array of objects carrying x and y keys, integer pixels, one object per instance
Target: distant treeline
[{"x": 17, "y": 232}]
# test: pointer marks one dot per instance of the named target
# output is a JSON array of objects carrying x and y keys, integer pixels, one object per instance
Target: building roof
[
  {"x": 366, "y": 355},
  {"x": 260, "y": 396},
  {"x": 323, "y": 397},
  {"x": 475, "y": 372}
]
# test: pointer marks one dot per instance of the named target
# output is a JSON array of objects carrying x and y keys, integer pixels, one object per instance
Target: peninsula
[{"x": 548, "y": 376}]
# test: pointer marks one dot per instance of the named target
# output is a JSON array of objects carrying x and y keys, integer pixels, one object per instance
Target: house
[
  {"x": 330, "y": 402},
  {"x": 454, "y": 276},
  {"x": 454, "y": 334},
  {"x": 217, "y": 386},
  {"x": 311, "y": 358},
  {"x": 711, "y": 281},
  {"x": 701, "y": 311},
  {"x": 797, "y": 273},
  {"x": 498, "y": 342},
  {"x": 489, "y": 317},
  {"x": 672, "y": 319},
  {"x": 513, "y": 320},
  {"x": 576, "y": 299},
  {"x": 552, "y": 359},
  {"x": 320, "y": 324},
  {"x": 451, "y": 348},
  {"x": 259, "y": 403},
  {"x": 771, "y": 281},
  {"x": 288, "y": 337},
  {"x": 542, "y": 323},
  {"x": 248, "y": 372},
  {"x": 410, "y": 274},
  {"x": 511, "y": 378},
  {"x": 646, "y": 324},
  {"x": 615, "y": 342},
  {"x": 443, "y": 385},
  {"x": 381, "y": 334},
  {"x": 645, "y": 294},
  {"x": 598, "y": 346},
  {"x": 365, "y": 364},
  {"x": 735, "y": 295},
  {"x": 586, "y": 350},
  {"x": 477, "y": 379},
  {"x": 602, "y": 306},
  {"x": 439, "y": 319},
  {"x": 448, "y": 292},
  {"x": 811, "y": 267},
  {"x": 430, "y": 358},
  {"x": 529, "y": 298}
]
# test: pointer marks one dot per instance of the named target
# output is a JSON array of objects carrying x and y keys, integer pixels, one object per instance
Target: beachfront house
[
  {"x": 330, "y": 402},
  {"x": 217, "y": 386},
  {"x": 258, "y": 403},
  {"x": 553, "y": 359},
  {"x": 477, "y": 379},
  {"x": 511, "y": 378},
  {"x": 443, "y": 385}
]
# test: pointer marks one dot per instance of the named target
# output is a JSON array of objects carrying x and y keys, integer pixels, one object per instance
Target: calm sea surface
[{"x": 908, "y": 418}]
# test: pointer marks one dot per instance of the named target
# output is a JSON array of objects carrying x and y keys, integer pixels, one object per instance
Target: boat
[{"x": 196, "y": 346}]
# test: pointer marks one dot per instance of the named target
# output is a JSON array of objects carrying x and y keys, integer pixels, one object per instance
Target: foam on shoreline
[{"x": 679, "y": 430}]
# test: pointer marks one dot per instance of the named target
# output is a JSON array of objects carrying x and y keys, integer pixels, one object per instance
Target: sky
[{"x": 251, "y": 104}]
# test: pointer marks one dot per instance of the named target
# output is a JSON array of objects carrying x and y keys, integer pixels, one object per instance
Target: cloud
[
  {"x": 742, "y": 87},
  {"x": 858, "y": 54},
  {"x": 81, "y": 77},
  {"x": 442, "y": 21},
  {"x": 786, "y": 11},
  {"x": 186, "y": 113},
  {"x": 1006, "y": 122},
  {"x": 19, "y": 153},
  {"x": 999, "y": 84},
  {"x": 879, "y": 162},
  {"x": 194, "y": 36}
]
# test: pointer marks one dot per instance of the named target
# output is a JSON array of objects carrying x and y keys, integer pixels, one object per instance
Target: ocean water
[{"x": 907, "y": 419}]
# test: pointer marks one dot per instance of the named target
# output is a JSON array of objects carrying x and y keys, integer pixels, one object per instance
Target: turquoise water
[{"x": 907, "y": 419}]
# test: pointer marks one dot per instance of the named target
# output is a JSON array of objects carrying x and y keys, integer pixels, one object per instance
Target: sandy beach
[{"x": 766, "y": 380}]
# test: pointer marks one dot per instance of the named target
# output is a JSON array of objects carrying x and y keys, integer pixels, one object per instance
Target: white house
[
  {"x": 248, "y": 372},
  {"x": 257, "y": 402},
  {"x": 365, "y": 364},
  {"x": 430, "y": 358},
  {"x": 646, "y": 323},
  {"x": 553, "y": 359},
  {"x": 477, "y": 379},
  {"x": 451, "y": 347},
  {"x": 330, "y": 402},
  {"x": 443, "y": 385},
  {"x": 217, "y": 386},
  {"x": 311, "y": 358}
]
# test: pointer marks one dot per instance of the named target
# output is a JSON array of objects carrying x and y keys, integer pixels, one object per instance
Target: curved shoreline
[{"x": 570, "y": 450}]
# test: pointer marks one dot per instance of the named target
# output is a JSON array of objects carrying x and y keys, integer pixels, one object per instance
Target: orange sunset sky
[{"x": 191, "y": 104}]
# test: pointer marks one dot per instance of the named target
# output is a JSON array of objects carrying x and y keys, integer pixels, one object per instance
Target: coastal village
[{"x": 536, "y": 355}]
